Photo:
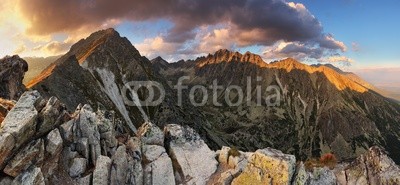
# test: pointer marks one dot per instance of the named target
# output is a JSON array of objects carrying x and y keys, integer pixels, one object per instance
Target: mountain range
[{"x": 322, "y": 109}]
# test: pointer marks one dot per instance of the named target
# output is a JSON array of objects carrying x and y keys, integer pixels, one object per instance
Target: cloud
[
  {"x": 252, "y": 21},
  {"x": 329, "y": 42},
  {"x": 355, "y": 47},
  {"x": 21, "y": 48},
  {"x": 153, "y": 47},
  {"x": 214, "y": 40},
  {"x": 54, "y": 47},
  {"x": 337, "y": 59},
  {"x": 295, "y": 50}
]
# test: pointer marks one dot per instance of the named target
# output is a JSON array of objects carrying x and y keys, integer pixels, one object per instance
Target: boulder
[
  {"x": 322, "y": 176},
  {"x": 33, "y": 176},
  {"x": 87, "y": 180},
  {"x": 373, "y": 167},
  {"x": 119, "y": 169},
  {"x": 12, "y": 71},
  {"x": 78, "y": 167},
  {"x": 301, "y": 176},
  {"x": 85, "y": 126},
  {"x": 101, "y": 173},
  {"x": 160, "y": 171},
  {"x": 152, "y": 152},
  {"x": 66, "y": 131},
  {"x": 54, "y": 142},
  {"x": 6, "y": 180},
  {"x": 21, "y": 120},
  {"x": 135, "y": 171},
  {"x": 195, "y": 161},
  {"x": 267, "y": 166},
  {"x": 151, "y": 134},
  {"x": 82, "y": 146},
  {"x": 50, "y": 115},
  {"x": 31, "y": 154},
  {"x": 7, "y": 143}
]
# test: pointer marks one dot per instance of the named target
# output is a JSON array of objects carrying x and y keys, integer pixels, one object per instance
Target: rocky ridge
[{"x": 41, "y": 143}]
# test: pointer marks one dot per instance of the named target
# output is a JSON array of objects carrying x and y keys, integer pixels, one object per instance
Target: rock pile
[{"x": 41, "y": 143}]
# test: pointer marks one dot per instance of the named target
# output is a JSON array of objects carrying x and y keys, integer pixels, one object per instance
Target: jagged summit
[{"x": 224, "y": 55}]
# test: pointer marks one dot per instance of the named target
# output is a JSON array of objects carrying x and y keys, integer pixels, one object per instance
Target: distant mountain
[
  {"x": 383, "y": 91},
  {"x": 321, "y": 110},
  {"x": 37, "y": 65}
]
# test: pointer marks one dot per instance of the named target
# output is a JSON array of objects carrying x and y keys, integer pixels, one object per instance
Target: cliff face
[
  {"x": 12, "y": 70},
  {"x": 41, "y": 143}
]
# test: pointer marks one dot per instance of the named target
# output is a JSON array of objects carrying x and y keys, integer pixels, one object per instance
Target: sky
[{"x": 356, "y": 35}]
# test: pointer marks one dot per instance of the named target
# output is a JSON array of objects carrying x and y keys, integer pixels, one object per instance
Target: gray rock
[
  {"x": 78, "y": 167},
  {"x": 31, "y": 154},
  {"x": 66, "y": 131},
  {"x": 373, "y": 167},
  {"x": 68, "y": 155},
  {"x": 189, "y": 153},
  {"x": 7, "y": 144},
  {"x": 87, "y": 180},
  {"x": 119, "y": 169},
  {"x": 86, "y": 127},
  {"x": 49, "y": 116},
  {"x": 83, "y": 147},
  {"x": 6, "y": 180},
  {"x": 160, "y": 171},
  {"x": 21, "y": 120},
  {"x": 135, "y": 171},
  {"x": 101, "y": 173},
  {"x": 152, "y": 152},
  {"x": 151, "y": 134},
  {"x": 54, "y": 142},
  {"x": 302, "y": 176},
  {"x": 322, "y": 176},
  {"x": 33, "y": 176}
]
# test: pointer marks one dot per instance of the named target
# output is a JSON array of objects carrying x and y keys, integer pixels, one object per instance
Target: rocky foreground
[{"x": 41, "y": 143}]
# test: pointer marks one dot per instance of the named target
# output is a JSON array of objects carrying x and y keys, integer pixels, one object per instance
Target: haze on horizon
[{"x": 359, "y": 36}]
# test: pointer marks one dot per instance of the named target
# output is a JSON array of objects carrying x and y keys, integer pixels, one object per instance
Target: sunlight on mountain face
[{"x": 341, "y": 82}]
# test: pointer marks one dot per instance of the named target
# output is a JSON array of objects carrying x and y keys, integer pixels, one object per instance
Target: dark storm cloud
[{"x": 260, "y": 22}]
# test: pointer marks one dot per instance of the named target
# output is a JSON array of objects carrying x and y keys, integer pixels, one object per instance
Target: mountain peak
[
  {"x": 225, "y": 55},
  {"x": 85, "y": 47}
]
